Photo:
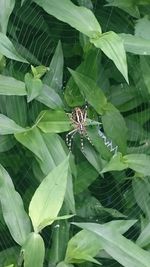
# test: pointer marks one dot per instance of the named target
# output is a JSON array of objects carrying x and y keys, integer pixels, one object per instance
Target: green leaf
[
  {"x": 6, "y": 143},
  {"x": 136, "y": 45},
  {"x": 33, "y": 251},
  {"x": 49, "y": 197},
  {"x": 120, "y": 248},
  {"x": 145, "y": 67},
  {"x": 79, "y": 248},
  {"x": 112, "y": 46},
  {"x": 13, "y": 211},
  {"x": 50, "y": 98},
  {"x": 6, "y": 8},
  {"x": 33, "y": 86},
  {"x": 116, "y": 163},
  {"x": 54, "y": 121},
  {"x": 111, "y": 118},
  {"x": 9, "y": 255},
  {"x": 79, "y": 18},
  {"x": 54, "y": 76},
  {"x": 11, "y": 86},
  {"x": 144, "y": 237},
  {"x": 8, "y": 50},
  {"x": 8, "y": 126},
  {"x": 128, "y": 6},
  {"x": 92, "y": 93},
  {"x": 142, "y": 28},
  {"x": 141, "y": 189},
  {"x": 64, "y": 264},
  {"x": 139, "y": 163}
]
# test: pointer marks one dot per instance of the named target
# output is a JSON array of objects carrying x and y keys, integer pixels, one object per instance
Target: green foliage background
[{"x": 78, "y": 208}]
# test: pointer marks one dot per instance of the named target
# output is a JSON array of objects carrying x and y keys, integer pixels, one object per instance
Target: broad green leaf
[
  {"x": 54, "y": 76},
  {"x": 6, "y": 8},
  {"x": 78, "y": 17},
  {"x": 8, "y": 50},
  {"x": 144, "y": 237},
  {"x": 120, "y": 248},
  {"x": 141, "y": 189},
  {"x": 79, "y": 248},
  {"x": 116, "y": 163},
  {"x": 112, "y": 46},
  {"x": 33, "y": 86},
  {"x": 139, "y": 163},
  {"x": 8, "y": 126},
  {"x": 111, "y": 118},
  {"x": 136, "y": 45},
  {"x": 13, "y": 211},
  {"x": 34, "y": 251},
  {"x": 50, "y": 98},
  {"x": 11, "y": 86},
  {"x": 92, "y": 93},
  {"x": 54, "y": 121},
  {"x": 49, "y": 197},
  {"x": 10, "y": 265}
]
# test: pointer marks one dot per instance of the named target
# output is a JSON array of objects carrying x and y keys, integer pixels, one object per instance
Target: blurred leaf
[
  {"x": 139, "y": 163},
  {"x": 49, "y": 197},
  {"x": 6, "y": 8},
  {"x": 50, "y": 98},
  {"x": 13, "y": 211},
  {"x": 144, "y": 237},
  {"x": 54, "y": 121},
  {"x": 86, "y": 174},
  {"x": 8, "y": 126},
  {"x": 142, "y": 28},
  {"x": 6, "y": 143},
  {"x": 92, "y": 93},
  {"x": 33, "y": 251},
  {"x": 136, "y": 45},
  {"x": 8, "y": 50},
  {"x": 33, "y": 86},
  {"x": 9, "y": 255},
  {"x": 111, "y": 118},
  {"x": 141, "y": 189},
  {"x": 120, "y": 248},
  {"x": 79, "y": 18},
  {"x": 112, "y": 46},
  {"x": 11, "y": 86},
  {"x": 79, "y": 248},
  {"x": 54, "y": 76},
  {"x": 63, "y": 264},
  {"x": 145, "y": 67},
  {"x": 128, "y": 6}
]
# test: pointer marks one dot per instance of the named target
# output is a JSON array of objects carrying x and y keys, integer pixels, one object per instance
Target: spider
[{"x": 79, "y": 119}]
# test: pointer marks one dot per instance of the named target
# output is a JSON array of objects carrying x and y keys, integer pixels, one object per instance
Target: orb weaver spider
[{"x": 80, "y": 121}]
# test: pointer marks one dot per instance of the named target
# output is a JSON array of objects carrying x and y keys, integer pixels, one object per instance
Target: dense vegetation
[{"x": 74, "y": 133}]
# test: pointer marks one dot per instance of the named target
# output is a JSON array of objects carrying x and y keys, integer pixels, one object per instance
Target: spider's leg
[
  {"x": 71, "y": 138},
  {"x": 68, "y": 141},
  {"x": 88, "y": 138}
]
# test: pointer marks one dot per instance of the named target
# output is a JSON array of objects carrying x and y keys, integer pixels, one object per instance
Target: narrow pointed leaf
[
  {"x": 8, "y": 50},
  {"x": 120, "y": 248},
  {"x": 33, "y": 251},
  {"x": 33, "y": 86},
  {"x": 13, "y": 211},
  {"x": 11, "y": 86},
  {"x": 92, "y": 93},
  {"x": 54, "y": 76},
  {"x": 78, "y": 17},
  {"x": 6, "y": 8},
  {"x": 49, "y": 197},
  {"x": 8, "y": 126},
  {"x": 112, "y": 46}
]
